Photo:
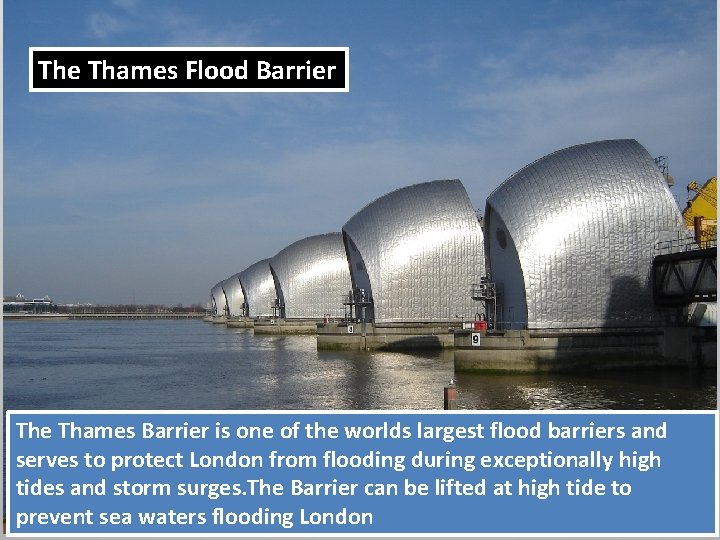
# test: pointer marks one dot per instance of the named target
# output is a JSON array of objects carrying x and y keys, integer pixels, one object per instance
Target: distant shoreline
[{"x": 114, "y": 316}]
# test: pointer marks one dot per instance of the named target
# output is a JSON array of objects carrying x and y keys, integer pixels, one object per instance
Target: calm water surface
[{"x": 173, "y": 364}]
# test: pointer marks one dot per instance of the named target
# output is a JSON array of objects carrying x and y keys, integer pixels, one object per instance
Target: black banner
[{"x": 79, "y": 69}]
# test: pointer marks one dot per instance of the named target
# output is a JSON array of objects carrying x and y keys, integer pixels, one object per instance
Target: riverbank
[{"x": 89, "y": 316}]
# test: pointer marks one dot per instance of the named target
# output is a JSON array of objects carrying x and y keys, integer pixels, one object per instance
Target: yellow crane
[{"x": 701, "y": 212}]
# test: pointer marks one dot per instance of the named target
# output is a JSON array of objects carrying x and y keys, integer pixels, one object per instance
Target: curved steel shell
[
  {"x": 219, "y": 302},
  {"x": 258, "y": 288},
  {"x": 417, "y": 251},
  {"x": 572, "y": 236},
  {"x": 312, "y": 276},
  {"x": 234, "y": 296}
]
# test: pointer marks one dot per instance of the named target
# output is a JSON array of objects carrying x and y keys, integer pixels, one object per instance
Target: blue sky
[{"x": 156, "y": 197}]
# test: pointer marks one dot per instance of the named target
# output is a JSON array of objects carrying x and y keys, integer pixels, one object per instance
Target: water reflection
[{"x": 194, "y": 365}]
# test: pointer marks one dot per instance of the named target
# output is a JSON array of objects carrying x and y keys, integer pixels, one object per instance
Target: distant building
[{"x": 19, "y": 304}]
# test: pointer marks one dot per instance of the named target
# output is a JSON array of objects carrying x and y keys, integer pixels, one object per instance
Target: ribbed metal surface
[
  {"x": 219, "y": 303},
  {"x": 313, "y": 276},
  {"x": 234, "y": 295},
  {"x": 258, "y": 288},
  {"x": 418, "y": 250},
  {"x": 574, "y": 234}
]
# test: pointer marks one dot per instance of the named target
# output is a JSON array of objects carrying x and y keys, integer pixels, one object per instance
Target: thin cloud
[
  {"x": 127, "y": 5},
  {"x": 104, "y": 25},
  {"x": 170, "y": 26}
]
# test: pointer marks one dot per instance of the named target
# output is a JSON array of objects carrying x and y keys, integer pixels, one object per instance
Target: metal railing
[
  {"x": 483, "y": 291},
  {"x": 684, "y": 243}
]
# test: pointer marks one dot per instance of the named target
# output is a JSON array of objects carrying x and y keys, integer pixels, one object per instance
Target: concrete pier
[
  {"x": 388, "y": 336},
  {"x": 240, "y": 322},
  {"x": 279, "y": 326},
  {"x": 219, "y": 320},
  {"x": 573, "y": 350}
]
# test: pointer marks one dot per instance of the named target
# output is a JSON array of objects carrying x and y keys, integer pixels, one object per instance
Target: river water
[{"x": 190, "y": 364}]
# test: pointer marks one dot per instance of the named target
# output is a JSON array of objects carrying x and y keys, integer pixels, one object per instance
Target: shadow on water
[{"x": 645, "y": 389}]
